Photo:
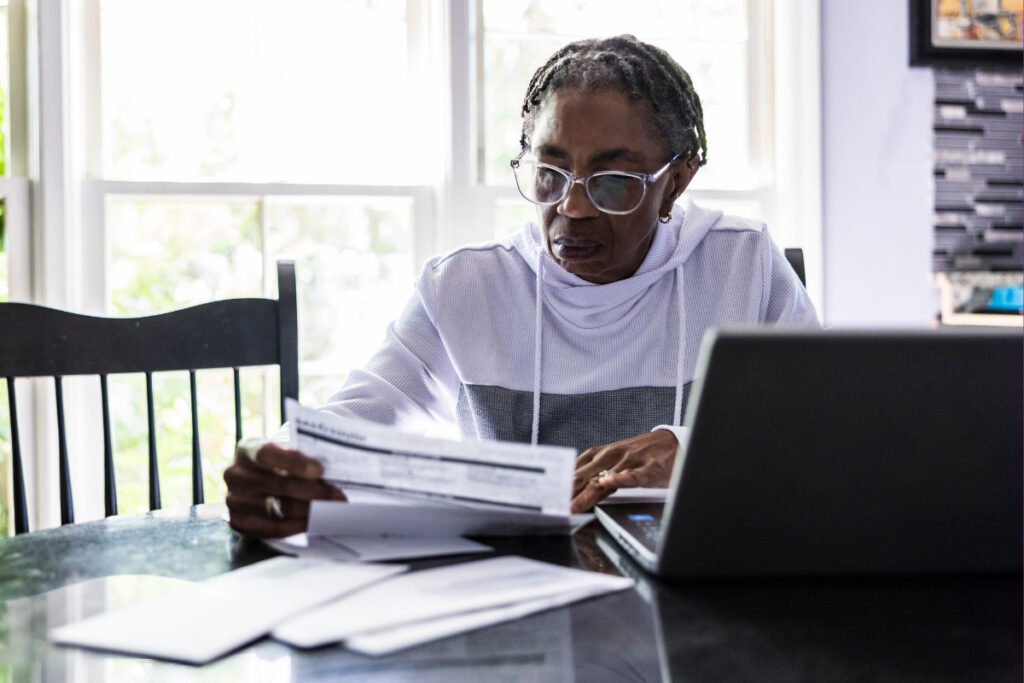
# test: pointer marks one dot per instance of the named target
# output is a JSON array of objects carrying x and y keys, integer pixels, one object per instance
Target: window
[
  {"x": 202, "y": 141},
  {"x": 711, "y": 40},
  {"x": 5, "y": 422}
]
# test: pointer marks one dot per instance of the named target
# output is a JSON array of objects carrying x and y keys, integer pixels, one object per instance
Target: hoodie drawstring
[
  {"x": 677, "y": 411},
  {"x": 535, "y": 428}
]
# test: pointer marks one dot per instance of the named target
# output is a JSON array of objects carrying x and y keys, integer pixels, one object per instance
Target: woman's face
[{"x": 584, "y": 132}]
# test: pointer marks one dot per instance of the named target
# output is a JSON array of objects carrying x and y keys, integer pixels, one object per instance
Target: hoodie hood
[
  {"x": 589, "y": 305},
  {"x": 586, "y": 304}
]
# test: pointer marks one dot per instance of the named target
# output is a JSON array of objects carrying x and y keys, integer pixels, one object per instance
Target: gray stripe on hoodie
[{"x": 579, "y": 421}]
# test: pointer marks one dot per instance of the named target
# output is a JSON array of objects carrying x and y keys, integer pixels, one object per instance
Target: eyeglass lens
[{"x": 608, "y": 192}]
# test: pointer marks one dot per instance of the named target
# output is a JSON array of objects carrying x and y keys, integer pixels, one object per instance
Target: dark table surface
[{"x": 866, "y": 629}]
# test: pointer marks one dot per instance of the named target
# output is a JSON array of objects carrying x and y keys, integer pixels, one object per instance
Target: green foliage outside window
[{"x": 168, "y": 255}]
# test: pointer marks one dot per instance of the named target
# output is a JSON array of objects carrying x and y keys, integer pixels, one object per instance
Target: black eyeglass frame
[{"x": 645, "y": 178}]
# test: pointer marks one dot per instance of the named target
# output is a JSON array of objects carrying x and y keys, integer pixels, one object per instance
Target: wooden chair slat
[
  {"x": 109, "y": 479},
  {"x": 288, "y": 333},
  {"x": 238, "y": 403},
  {"x": 67, "y": 506},
  {"x": 18, "y": 474},
  {"x": 197, "y": 460},
  {"x": 154, "y": 470}
]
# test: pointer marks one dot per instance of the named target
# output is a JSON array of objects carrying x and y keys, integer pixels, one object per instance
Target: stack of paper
[
  {"x": 425, "y": 488},
  {"x": 363, "y": 548},
  {"x": 427, "y": 605},
  {"x": 379, "y": 612}
]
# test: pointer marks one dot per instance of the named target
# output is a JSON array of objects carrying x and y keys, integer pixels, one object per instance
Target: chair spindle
[
  {"x": 20, "y": 506},
  {"x": 154, "y": 472},
  {"x": 197, "y": 460},
  {"x": 238, "y": 406},
  {"x": 67, "y": 507},
  {"x": 109, "y": 481}
]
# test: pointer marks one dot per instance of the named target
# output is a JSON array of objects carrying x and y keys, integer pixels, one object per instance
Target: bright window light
[{"x": 257, "y": 90}]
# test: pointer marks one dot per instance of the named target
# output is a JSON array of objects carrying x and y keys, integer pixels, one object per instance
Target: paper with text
[{"x": 363, "y": 454}]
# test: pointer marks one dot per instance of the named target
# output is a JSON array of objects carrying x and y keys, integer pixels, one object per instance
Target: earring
[{"x": 665, "y": 219}]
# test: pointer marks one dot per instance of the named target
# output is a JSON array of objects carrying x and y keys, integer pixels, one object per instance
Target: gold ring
[{"x": 273, "y": 506}]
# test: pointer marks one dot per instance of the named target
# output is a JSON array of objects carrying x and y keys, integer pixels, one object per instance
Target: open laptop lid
[{"x": 849, "y": 452}]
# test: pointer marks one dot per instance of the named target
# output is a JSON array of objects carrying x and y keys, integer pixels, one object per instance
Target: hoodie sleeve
[
  {"x": 409, "y": 382},
  {"x": 784, "y": 299}
]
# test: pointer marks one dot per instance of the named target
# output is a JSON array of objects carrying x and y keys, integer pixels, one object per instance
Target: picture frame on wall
[{"x": 966, "y": 33}]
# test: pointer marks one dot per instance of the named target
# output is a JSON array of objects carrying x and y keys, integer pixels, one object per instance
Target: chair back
[
  {"x": 795, "y": 256},
  {"x": 37, "y": 341}
]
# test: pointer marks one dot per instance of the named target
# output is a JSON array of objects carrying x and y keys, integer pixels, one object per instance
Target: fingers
[
  {"x": 601, "y": 486},
  {"x": 262, "y": 469},
  {"x": 258, "y": 454},
  {"x": 588, "y": 497},
  {"x": 644, "y": 460},
  {"x": 620, "y": 480},
  {"x": 587, "y": 468},
  {"x": 243, "y": 480},
  {"x": 251, "y": 505},
  {"x": 596, "y": 463}
]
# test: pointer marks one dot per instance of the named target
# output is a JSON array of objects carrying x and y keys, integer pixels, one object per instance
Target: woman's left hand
[{"x": 644, "y": 460}]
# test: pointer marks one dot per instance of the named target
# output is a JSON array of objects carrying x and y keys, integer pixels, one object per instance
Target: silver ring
[
  {"x": 605, "y": 473},
  {"x": 273, "y": 507}
]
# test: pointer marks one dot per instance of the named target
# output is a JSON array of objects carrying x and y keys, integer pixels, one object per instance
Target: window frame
[{"x": 56, "y": 194}]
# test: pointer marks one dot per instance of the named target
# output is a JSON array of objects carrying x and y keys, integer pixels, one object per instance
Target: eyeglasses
[{"x": 616, "y": 192}]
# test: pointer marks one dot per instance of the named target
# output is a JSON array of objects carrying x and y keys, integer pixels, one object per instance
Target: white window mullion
[
  {"x": 86, "y": 133},
  {"x": 55, "y": 253},
  {"x": 17, "y": 236},
  {"x": 760, "y": 64},
  {"x": 459, "y": 201},
  {"x": 798, "y": 134}
]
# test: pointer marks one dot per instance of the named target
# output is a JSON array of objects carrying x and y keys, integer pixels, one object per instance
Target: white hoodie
[{"x": 610, "y": 363}]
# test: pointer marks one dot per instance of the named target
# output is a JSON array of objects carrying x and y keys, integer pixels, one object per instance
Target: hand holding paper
[
  {"x": 355, "y": 453},
  {"x": 269, "y": 489}
]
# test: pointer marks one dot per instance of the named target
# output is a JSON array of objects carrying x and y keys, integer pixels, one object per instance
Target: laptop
[{"x": 825, "y": 453}]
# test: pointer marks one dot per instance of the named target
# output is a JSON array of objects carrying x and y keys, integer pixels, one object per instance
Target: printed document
[{"x": 360, "y": 454}]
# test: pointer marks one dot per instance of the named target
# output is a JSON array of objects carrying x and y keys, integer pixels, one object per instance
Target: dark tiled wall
[{"x": 978, "y": 170}]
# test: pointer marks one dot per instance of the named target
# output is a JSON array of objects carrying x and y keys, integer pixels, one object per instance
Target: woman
[{"x": 583, "y": 328}]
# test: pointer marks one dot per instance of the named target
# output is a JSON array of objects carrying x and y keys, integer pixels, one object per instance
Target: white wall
[{"x": 876, "y": 168}]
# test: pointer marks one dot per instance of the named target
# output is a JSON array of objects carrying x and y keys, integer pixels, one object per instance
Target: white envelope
[
  {"x": 335, "y": 518},
  {"x": 374, "y": 548},
  {"x": 202, "y": 622},
  {"x": 387, "y": 641},
  {"x": 431, "y": 594}
]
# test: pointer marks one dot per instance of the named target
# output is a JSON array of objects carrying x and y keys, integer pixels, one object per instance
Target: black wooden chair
[
  {"x": 38, "y": 341},
  {"x": 795, "y": 257}
]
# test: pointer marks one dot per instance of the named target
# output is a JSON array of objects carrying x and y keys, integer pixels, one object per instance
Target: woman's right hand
[{"x": 265, "y": 473}]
